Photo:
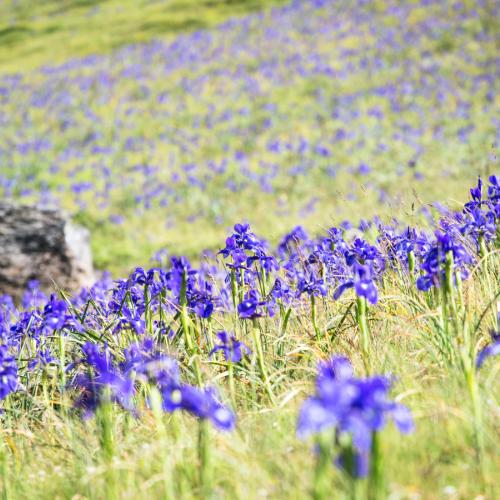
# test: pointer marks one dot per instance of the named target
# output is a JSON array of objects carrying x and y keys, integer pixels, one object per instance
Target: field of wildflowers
[
  {"x": 350, "y": 351},
  {"x": 307, "y": 114}
]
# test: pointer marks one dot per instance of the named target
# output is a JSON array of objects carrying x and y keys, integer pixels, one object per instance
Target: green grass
[
  {"x": 39, "y": 33},
  {"x": 52, "y": 454},
  {"x": 34, "y": 33},
  {"x": 48, "y": 452}
]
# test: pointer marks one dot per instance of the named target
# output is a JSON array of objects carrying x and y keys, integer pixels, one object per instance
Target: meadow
[{"x": 295, "y": 210}]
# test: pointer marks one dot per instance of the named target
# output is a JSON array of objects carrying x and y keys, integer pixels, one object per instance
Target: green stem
[
  {"x": 45, "y": 390},
  {"x": 232, "y": 391},
  {"x": 234, "y": 287},
  {"x": 313, "y": 317},
  {"x": 261, "y": 362},
  {"x": 107, "y": 446},
  {"x": 286, "y": 318},
  {"x": 184, "y": 314},
  {"x": 204, "y": 459},
  {"x": 449, "y": 285},
  {"x": 361, "y": 317},
  {"x": 411, "y": 264},
  {"x": 483, "y": 252},
  {"x": 449, "y": 307},
  {"x": 156, "y": 406},
  {"x": 482, "y": 247},
  {"x": 478, "y": 418},
  {"x": 376, "y": 480},
  {"x": 186, "y": 329},
  {"x": 62, "y": 373},
  {"x": 322, "y": 489},
  {"x": 210, "y": 335},
  {"x": 285, "y": 315}
]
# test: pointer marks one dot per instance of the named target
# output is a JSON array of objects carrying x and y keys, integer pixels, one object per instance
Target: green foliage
[
  {"x": 34, "y": 33},
  {"x": 53, "y": 454},
  {"x": 47, "y": 451}
]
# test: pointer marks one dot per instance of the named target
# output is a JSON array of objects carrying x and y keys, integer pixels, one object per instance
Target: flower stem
[
  {"x": 156, "y": 407},
  {"x": 105, "y": 415},
  {"x": 261, "y": 362},
  {"x": 234, "y": 288},
  {"x": 204, "y": 459},
  {"x": 361, "y": 317},
  {"x": 313, "y": 317},
  {"x": 232, "y": 391},
  {"x": 321, "y": 489},
  {"x": 376, "y": 487},
  {"x": 186, "y": 328},
  {"x": 411, "y": 264},
  {"x": 62, "y": 362},
  {"x": 478, "y": 419}
]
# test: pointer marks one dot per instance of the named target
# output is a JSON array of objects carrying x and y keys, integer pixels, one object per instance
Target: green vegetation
[
  {"x": 48, "y": 452},
  {"x": 35, "y": 33},
  {"x": 268, "y": 119},
  {"x": 373, "y": 117}
]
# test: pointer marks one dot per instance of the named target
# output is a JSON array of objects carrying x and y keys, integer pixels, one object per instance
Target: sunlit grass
[{"x": 36, "y": 33}]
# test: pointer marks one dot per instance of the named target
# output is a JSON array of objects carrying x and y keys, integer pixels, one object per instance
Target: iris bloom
[
  {"x": 233, "y": 349},
  {"x": 352, "y": 406},
  {"x": 492, "y": 349},
  {"x": 8, "y": 373}
]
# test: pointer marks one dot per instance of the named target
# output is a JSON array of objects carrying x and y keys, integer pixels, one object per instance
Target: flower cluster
[
  {"x": 480, "y": 215},
  {"x": 108, "y": 380},
  {"x": 8, "y": 373},
  {"x": 353, "y": 407},
  {"x": 434, "y": 263},
  {"x": 233, "y": 349},
  {"x": 103, "y": 381},
  {"x": 253, "y": 283},
  {"x": 238, "y": 101}
]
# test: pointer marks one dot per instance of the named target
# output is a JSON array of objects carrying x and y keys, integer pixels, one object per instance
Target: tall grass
[{"x": 427, "y": 340}]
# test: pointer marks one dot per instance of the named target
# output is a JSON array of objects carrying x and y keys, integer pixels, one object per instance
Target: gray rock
[{"x": 42, "y": 244}]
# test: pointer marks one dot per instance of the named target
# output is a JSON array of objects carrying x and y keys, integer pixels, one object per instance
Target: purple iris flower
[
  {"x": 398, "y": 245},
  {"x": 251, "y": 306},
  {"x": 476, "y": 195},
  {"x": 147, "y": 364},
  {"x": 492, "y": 349},
  {"x": 233, "y": 349},
  {"x": 8, "y": 373},
  {"x": 55, "y": 313},
  {"x": 241, "y": 239},
  {"x": 282, "y": 292},
  {"x": 361, "y": 251},
  {"x": 311, "y": 285},
  {"x": 479, "y": 215},
  {"x": 433, "y": 264},
  {"x": 130, "y": 319},
  {"x": 104, "y": 379},
  {"x": 202, "y": 403},
  {"x": 33, "y": 296},
  {"x": 494, "y": 190},
  {"x": 291, "y": 241},
  {"x": 201, "y": 303},
  {"x": 141, "y": 277},
  {"x": 363, "y": 284},
  {"x": 245, "y": 249},
  {"x": 489, "y": 351},
  {"x": 353, "y": 406}
]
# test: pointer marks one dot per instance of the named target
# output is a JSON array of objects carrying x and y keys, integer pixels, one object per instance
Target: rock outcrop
[{"x": 44, "y": 245}]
